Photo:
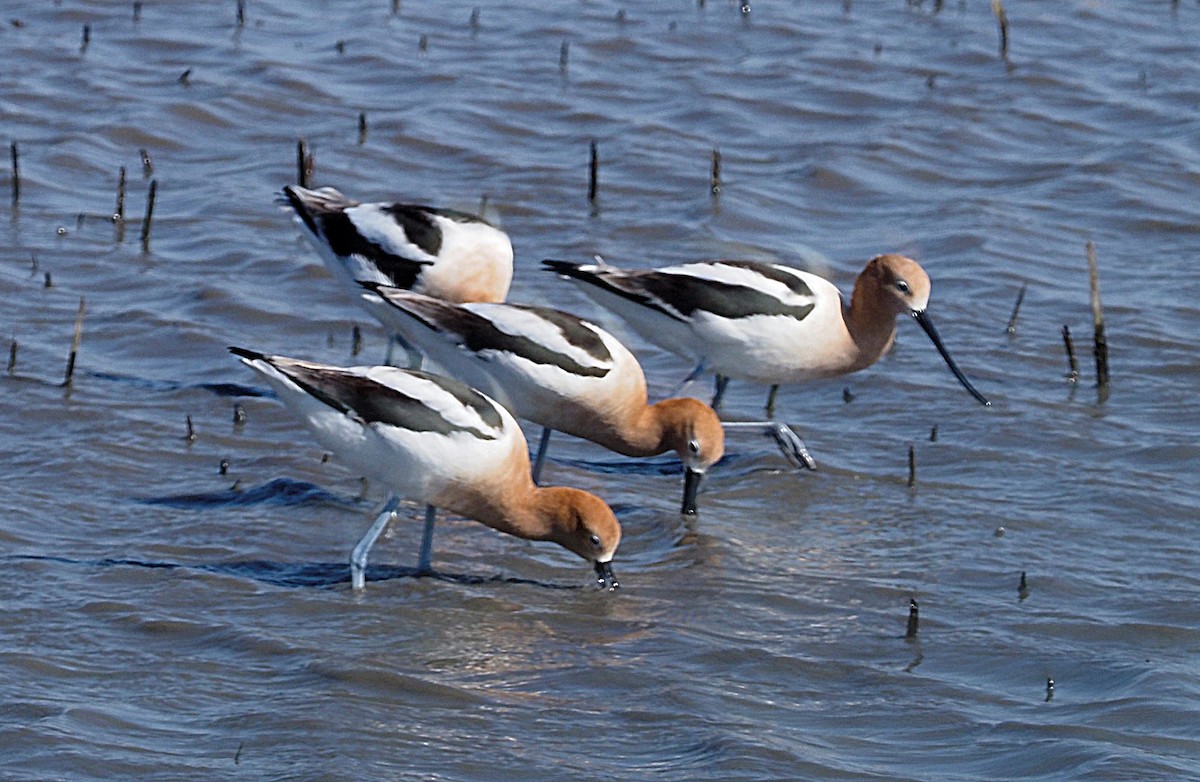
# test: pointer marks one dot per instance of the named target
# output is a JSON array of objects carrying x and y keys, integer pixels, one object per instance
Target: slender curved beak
[
  {"x": 927, "y": 324},
  {"x": 605, "y": 577},
  {"x": 691, "y": 488}
]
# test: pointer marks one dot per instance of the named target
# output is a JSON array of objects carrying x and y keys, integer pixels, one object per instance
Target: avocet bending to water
[
  {"x": 435, "y": 440},
  {"x": 558, "y": 371}
]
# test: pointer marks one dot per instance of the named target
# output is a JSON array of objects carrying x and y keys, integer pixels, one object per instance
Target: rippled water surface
[{"x": 166, "y": 619}]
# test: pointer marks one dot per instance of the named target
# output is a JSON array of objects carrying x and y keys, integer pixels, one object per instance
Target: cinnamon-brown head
[
  {"x": 693, "y": 430},
  {"x": 892, "y": 285},
  {"x": 582, "y": 523}
]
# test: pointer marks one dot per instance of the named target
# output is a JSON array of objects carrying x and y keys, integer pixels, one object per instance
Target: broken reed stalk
[
  {"x": 355, "y": 340},
  {"x": 149, "y": 218},
  {"x": 12, "y": 356},
  {"x": 75, "y": 344},
  {"x": 362, "y": 127},
  {"x": 593, "y": 172},
  {"x": 1100, "y": 349},
  {"x": 87, "y": 38},
  {"x": 137, "y": 11},
  {"x": 241, "y": 13},
  {"x": 1002, "y": 19},
  {"x": 714, "y": 179},
  {"x": 564, "y": 52},
  {"x": 912, "y": 467},
  {"x": 1012, "y": 321},
  {"x": 304, "y": 163},
  {"x": 191, "y": 431},
  {"x": 1072, "y": 362},
  {"x": 16, "y": 173},
  {"x": 119, "y": 215},
  {"x": 474, "y": 19},
  {"x": 914, "y": 619},
  {"x": 147, "y": 164},
  {"x": 1023, "y": 587}
]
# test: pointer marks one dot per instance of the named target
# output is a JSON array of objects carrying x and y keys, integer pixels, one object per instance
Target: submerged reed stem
[
  {"x": 1100, "y": 349},
  {"x": 1012, "y": 321},
  {"x": 1072, "y": 362},
  {"x": 148, "y": 220},
  {"x": 593, "y": 172},
  {"x": 74, "y": 344}
]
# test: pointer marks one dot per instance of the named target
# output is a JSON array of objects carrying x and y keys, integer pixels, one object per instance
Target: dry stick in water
[
  {"x": 914, "y": 619},
  {"x": 304, "y": 163},
  {"x": 593, "y": 172},
  {"x": 1012, "y": 321},
  {"x": 16, "y": 173},
  {"x": 149, "y": 218},
  {"x": 1023, "y": 587},
  {"x": 714, "y": 179},
  {"x": 1072, "y": 363},
  {"x": 241, "y": 13},
  {"x": 1101, "y": 343},
  {"x": 137, "y": 11},
  {"x": 87, "y": 38},
  {"x": 147, "y": 164},
  {"x": 1002, "y": 18},
  {"x": 119, "y": 215},
  {"x": 564, "y": 52},
  {"x": 191, "y": 432},
  {"x": 12, "y": 356},
  {"x": 362, "y": 127},
  {"x": 74, "y": 344},
  {"x": 912, "y": 467}
]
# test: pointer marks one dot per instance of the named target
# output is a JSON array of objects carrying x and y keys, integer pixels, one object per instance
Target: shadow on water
[
  {"x": 295, "y": 574},
  {"x": 285, "y": 492}
]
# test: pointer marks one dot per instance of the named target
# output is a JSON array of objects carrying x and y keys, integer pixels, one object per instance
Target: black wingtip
[
  {"x": 249, "y": 355},
  {"x": 561, "y": 267},
  {"x": 297, "y": 203}
]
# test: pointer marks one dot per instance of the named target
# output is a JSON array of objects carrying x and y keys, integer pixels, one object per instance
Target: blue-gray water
[{"x": 158, "y": 624}]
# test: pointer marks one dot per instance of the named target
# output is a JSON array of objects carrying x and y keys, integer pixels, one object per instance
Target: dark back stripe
[
  {"x": 344, "y": 239},
  {"x": 376, "y": 403},
  {"x": 688, "y": 295},
  {"x": 417, "y": 225},
  {"x": 610, "y": 284},
  {"x": 479, "y": 334},
  {"x": 794, "y": 283}
]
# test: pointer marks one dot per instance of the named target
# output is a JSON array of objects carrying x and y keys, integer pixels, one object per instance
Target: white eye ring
[
  {"x": 694, "y": 447},
  {"x": 595, "y": 539},
  {"x": 903, "y": 286}
]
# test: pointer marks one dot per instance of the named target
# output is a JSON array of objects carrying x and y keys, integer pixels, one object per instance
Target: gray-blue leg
[
  {"x": 423, "y": 563},
  {"x": 540, "y": 459},
  {"x": 771, "y": 400},
  {"x": 721, "y": 384},
  {"x": 358, "y": 557},
  {"x": 412, "y": 356}
]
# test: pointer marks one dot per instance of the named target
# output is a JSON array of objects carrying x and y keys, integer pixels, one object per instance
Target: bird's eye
[
  {"x": 694, "y": 447},
  {"x": 902, "y": 286},
  {"x": 595, "y": 539}
]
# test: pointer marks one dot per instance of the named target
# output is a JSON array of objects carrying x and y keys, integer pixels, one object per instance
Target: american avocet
[
  {"x": 437, "y": 441},
  {"x": 444, "y": 253},
  {"x": 765, "y": 322},
  {"x": 559, "y": 371},
  {"x": 440, "y": 252}
]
